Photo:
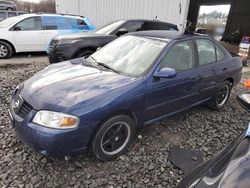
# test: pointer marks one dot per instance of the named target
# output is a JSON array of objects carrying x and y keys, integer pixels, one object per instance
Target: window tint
[
  {"x": 81, "y": 24},
  {"x": 63, "y": 23},
  {"x": 157, "y": 26},
  {"x": 30, "y": 24},
  {"x": 206, "y": 51},
  {"x": 50, "y": 22},
  {"x": 133, "y": 26},
  {"x": 220, "y": 54},
  {"x": 180, "y": 57}
]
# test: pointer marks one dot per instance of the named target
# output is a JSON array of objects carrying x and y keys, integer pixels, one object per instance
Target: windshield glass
[
  {"x": 109, "y": 28},
  {"x": 8, "y": 22},
  {"x": 130, "y": 54}
]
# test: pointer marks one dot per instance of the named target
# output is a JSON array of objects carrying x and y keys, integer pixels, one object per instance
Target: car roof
[
  {"x": 166, "y": 35},
  {"x": 146, "y": 20},
  {"x": 42, "y": 14}
]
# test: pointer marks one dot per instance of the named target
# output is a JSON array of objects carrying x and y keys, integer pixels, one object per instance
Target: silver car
[{"x": 8, "y": 5}]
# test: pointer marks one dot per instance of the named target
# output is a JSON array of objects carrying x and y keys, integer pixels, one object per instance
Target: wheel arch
[
  {"x": 12, "y": 46},
  {"x": 231, "y": 80},
  {"x": 129, "y": 113},
  {"x": 93, "y": 48}
]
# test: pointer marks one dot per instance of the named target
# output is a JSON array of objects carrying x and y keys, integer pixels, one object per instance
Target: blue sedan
[{"x": 100, "y": 102}]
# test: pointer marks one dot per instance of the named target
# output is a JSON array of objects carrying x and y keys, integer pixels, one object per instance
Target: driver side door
[
  {"x": 166, "y": 96},
  {"x": 29, "y": 35}
]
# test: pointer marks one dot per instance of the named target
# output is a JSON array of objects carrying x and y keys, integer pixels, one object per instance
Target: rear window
[{"x": 158, "y": 26}]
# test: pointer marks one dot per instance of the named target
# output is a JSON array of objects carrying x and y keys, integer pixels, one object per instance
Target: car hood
[
  {"x": 78, "y": 36},
  {"x": 61, "y": 86}
]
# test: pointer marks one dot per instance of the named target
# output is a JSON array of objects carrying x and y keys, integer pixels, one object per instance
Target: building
[
  {"x": 101, "y": 12},
  {"x": 178, "y": 12}
]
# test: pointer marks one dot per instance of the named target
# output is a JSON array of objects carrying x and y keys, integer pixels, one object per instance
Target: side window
[
  {"x": 132, "y": 26},
  {"x": 81, "y": 25},
  {"x": 180, "y": 57},
  {"x": 30, "y": 24},
  {"x": 220, "y": 54},
  {"x": 63, "y": 23},
  {"x": 50, "y": 22},
  {"x": 206, "y": 51}
]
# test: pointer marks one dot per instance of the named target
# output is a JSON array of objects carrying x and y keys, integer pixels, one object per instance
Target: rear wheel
[
  {"x": 84, "y": 53},
  {"x": 5, "y": 50},
  {"x": 114, "y": 137},
  {"x": 221, "y": 97},
  {"x": 9, "y": 9}
]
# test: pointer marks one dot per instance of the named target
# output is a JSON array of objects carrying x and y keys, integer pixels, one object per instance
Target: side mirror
[
  {"x": 165, "y": 73},
  {"x": 244, "y": 100},
  {"x": 121, "y": 31},
  {"x": 17, "y": 28}
]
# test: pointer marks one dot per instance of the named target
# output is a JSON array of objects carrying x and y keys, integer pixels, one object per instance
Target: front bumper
[
  {"x": 48, "y": 141},
  {"x": 60, "y": 53}
]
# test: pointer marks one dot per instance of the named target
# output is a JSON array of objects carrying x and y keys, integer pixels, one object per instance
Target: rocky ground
[{"x": 145, "y": 165}]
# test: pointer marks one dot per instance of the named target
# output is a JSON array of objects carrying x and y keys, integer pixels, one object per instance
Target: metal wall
[{"x": 101, "y": 12}]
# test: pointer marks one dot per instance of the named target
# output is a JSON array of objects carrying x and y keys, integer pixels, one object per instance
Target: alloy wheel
[
  {"x": 223, "y": 95},
  {"x": 115, "y": 138},
  {"x": 3, "y": 51}
]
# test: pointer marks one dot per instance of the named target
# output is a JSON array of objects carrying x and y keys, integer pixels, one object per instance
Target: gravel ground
[{"x": 145, "y": 165}]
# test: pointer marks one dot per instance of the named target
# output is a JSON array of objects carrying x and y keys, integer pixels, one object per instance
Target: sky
[{"x": 219, "y": 8}]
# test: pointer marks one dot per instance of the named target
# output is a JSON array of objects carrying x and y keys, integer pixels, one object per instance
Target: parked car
[
  {"x": 7, "y": 14},
  {"x": 8, "y": 5},
  {"x": 69, "y": 46},
  {"x": 100, "y": 102},
  {"x": 230, "y": 167},
  {"x": 33, "y": 32}
]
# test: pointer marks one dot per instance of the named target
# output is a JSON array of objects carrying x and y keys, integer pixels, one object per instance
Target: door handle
[{"x": 224, "y": 69}]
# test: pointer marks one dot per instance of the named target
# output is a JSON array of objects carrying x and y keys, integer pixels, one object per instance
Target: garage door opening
[{"x": 212, "y": 19}]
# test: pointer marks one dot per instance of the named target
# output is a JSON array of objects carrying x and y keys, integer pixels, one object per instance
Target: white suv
[{"x": 33, "y": 32}]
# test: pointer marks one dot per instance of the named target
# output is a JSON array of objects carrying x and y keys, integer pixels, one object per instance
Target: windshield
[
  {"x": 130, "y": 54},
  {"x": 109, "y": 28},
  {"x": 7, "y": 23}
]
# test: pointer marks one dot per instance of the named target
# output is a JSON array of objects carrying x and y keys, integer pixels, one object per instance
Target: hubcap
[
  {"x": 115, "y": 138},
  {"x": 3, "y": 51},
  {"x": 223, "y": 95}
]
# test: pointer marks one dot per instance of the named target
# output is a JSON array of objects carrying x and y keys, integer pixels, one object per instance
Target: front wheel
[
  {"x": 114, "y": 137},
  {"x": 5, "y": 50},
  {"x": 221, "y": 97}
]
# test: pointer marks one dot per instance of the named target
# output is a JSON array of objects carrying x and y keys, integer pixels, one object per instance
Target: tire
[
  {"x": 114, "y": 137},
  {"x": 84, "y": 53},
  {"x": 6, "y": 50},
  {"x": 221, "y": 97},
  {"x": 9, "y": 9}
]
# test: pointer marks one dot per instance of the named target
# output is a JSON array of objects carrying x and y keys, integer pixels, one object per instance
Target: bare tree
[{"x": 42, "y": 6}]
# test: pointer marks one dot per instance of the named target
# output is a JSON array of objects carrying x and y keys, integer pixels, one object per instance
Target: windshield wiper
[
  {"x": 107, "y": 67},
  {"x": 102, "y": 64}
]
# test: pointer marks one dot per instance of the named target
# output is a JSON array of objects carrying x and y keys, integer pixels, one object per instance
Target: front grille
[{"x": 24, "y": 110}]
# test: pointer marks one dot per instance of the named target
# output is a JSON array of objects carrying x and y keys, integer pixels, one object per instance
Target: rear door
[
  {"x": 29, "y": 35},
  {"x": 208, "y": 66}
]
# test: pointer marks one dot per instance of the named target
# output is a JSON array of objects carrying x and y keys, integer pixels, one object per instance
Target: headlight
[
  {"x": 68, "y": 41},
  {"x": 55, "y": 120}
]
